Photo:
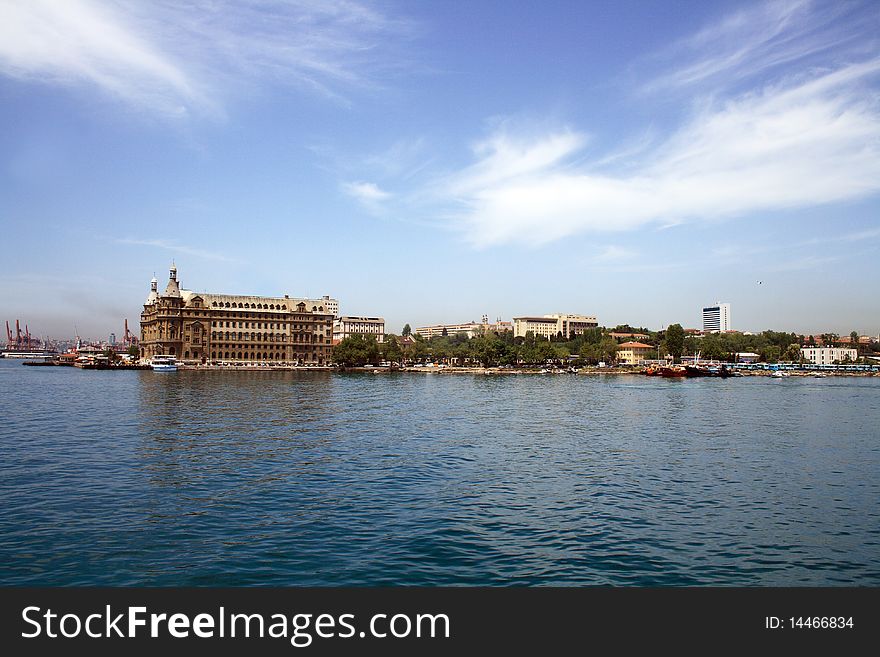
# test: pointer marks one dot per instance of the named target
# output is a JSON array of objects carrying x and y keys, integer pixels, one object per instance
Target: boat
[
  {"x": 779, "y": 374},
  {"x": 28, "y": 353},
  {"x": 164, "y": 363},
  {"x": 673, "y": 372}
]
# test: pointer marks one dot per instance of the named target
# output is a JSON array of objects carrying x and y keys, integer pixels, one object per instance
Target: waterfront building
[
  {"x": 633, "y": 353},
  {"x": 470, "y": 329},
  {"x": 345, "y": 327},
  {"x": 204, "y": 327},
  {"x": 716, "y": 318},
  {"x": 827, "y": 355},
  {"x": 548, "y": 326},
  {"x": 746, "y": 357}
]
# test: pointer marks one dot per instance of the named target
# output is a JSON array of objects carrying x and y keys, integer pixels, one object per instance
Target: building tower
[{"x": 716, "y": 319}]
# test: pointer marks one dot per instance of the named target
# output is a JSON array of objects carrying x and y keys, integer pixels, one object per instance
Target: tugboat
[{"x": 164, "y": 363}]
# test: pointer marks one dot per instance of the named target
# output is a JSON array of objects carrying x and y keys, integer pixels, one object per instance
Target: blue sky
[{"x": 433, "y": 161}]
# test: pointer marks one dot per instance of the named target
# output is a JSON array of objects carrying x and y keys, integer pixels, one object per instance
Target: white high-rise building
[{"x": 716, "y": 318}]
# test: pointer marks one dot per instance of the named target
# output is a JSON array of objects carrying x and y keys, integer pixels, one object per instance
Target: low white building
[
  {"x": 827, "y": 355},
  {"x": 469, "y": 329},
  {"x": 345, "y": 327},
  {"x": 549, "y": 326}
]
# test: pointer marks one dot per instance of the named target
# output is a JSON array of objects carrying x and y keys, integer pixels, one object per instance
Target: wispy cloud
[
  {"x": 173, "y": 247},
  {"x": 367, "y": 194},
  {"x": 181, "y": 58},
  {"x": 804, "y": 263},
  {"x": 760, "y": 39},
  {"x": 613, "y": 254}
]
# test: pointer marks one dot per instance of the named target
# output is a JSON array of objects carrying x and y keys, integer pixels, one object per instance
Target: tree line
[{"x": 490, "y": 349}]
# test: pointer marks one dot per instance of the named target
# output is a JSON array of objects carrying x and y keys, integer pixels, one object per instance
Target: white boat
[
  {"x": 28, "y": 354},
  {"x": 779, "y": 374},
  {"x": 164, "y": 363}
]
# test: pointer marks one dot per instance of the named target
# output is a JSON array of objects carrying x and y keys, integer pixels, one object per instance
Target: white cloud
[
  {"x": 816, "y": 141},
  {"x": 612, "y": 253},
  {"x": 365, "y": 192},
  {"x": 173, "y": 247},
  {"x": 175, "y": 58}
]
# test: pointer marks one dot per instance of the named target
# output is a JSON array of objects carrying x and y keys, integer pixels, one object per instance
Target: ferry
[
  {"x": 33, "y": 353},
  {"x": 164, "y": 363}
]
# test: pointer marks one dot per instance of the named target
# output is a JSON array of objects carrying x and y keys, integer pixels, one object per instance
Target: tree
[
  {"x": 854, "y": 339},
  {"x": 792, "y": 353},
  {"x": 356, "y": 351},
  {"x": 771, "y": 353},
  {"x": 406, "y": 330},
  {"x": 133, "y": 351},
  {"x": 675, "y": 340},
  {"x": 391, "y": 350}
]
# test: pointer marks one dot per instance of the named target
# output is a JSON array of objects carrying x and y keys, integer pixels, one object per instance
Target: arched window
[
  {"x": 227, "y": 304},
  {"x": 213, "y": 355}
]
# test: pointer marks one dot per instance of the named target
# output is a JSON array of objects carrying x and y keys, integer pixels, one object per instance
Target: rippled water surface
[{"x": 283, "y": 478}]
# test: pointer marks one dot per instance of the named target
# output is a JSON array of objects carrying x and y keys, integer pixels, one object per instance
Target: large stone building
[
  {"x": 550, "y": 326},
  {"x": 226, "y": 328}
]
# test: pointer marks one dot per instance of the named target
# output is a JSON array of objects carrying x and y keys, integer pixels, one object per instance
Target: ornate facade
[{"x": 222, "y": 328}]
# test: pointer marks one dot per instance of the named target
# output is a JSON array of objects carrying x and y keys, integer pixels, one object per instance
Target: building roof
[
  {"x": 636, "y": 345},
  {"x": 544, "y": 320}
]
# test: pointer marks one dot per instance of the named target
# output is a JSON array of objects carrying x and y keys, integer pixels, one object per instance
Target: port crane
[{"x": 20, "y": 340}]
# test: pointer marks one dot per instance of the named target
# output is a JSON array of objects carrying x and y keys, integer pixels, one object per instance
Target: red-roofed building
[{"x": 633, "y": 353}]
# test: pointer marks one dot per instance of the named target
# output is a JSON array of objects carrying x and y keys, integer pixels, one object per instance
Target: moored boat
[{"x": 164, "y": 363}]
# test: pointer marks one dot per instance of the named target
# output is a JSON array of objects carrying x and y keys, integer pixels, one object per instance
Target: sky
[{"x": 431, "y": 162}]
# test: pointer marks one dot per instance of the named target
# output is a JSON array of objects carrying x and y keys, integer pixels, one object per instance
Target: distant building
[
  {"x": 112, "y": 340},
  {"x": 204, "y": 327},
  {"x": 331, "y": 305},
  {"x": 345, "y": 327},
  {"x": 470, "y": 329},
  {"x": 716, "y": 318},
  {"x": 827, "y": 355},
  {"x": 548, "y": 326},
  {"x": 633, "y": 353},
  {"x": 628, "y": 336}
]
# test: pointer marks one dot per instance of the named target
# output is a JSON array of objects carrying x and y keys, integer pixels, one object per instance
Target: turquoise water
[{"x": 282, "y": 478}]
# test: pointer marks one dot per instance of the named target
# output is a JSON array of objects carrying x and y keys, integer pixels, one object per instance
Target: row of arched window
[
  {"x": 261, "y": 306},
  {"x": 254, "y": 306}
]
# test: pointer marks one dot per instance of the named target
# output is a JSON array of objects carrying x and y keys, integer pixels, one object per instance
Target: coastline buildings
[
  {"x": 827, "y": 355},
  {"x": 716, "y": 319},
  {"x": 548, "y": 326},
  {"x": 204, "y": 327},
  {"x": 345, "y": 327}
]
